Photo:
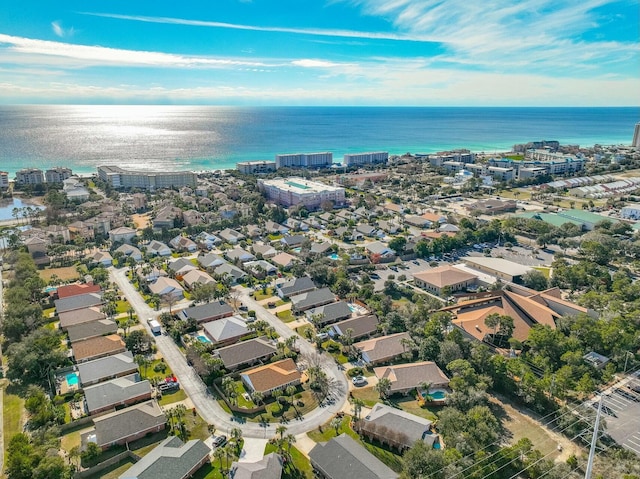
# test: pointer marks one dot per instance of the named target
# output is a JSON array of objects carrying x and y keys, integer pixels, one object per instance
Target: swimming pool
[
  {"x": 203, "y": 339},
  {"x": 437, "y": 395},
  {"x": 72, "y": 379},
  {"x": 334, "y": 256}
]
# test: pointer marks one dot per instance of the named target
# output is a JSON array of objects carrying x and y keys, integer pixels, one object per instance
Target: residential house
[
  {"x": 192, "y": 218},
  {"x": 148, "y": 273},
  {"x": 329, "y": 313},
  {"x": 366, "y": 229},
  {"x": 210, "y": 260},
  {"x": 183, "y": 244},
  {"x": 253, "y": 231},
  {"x": 197, "y": 277},
  {"x": 124, "y": 234},
  {"x": 384, "y": 348},
  {"x": 80, "y": 301},
  {"x": 103, "y": 369},
  {"x": 266, "y": 250},
  {"x": 82, "y": 230},
  {"x": 58, "y": 233},
  {"x": 225, "y": 331},
  {"x": 271, "y": 227},
  {"x": 321, "y": 248},
  {"x": 448, "y": 228},
  {"x": 284, "y": 260},
  {"x": 380, "y": 250},
  {"x": 266, "y": 379},
  {"x": 295, "y": 286},
  {"x": 388, "y": 226},
  {"x": 91, "y": 329},
  {"x": 76, "y": 289},
  {"x": 125, "y": 426},
  {"x": 181, "y": 266},
  {"x": 293, "y": 241},
  {"x": 395, "y": 427},
  {"x": 166, "y": 217},
  {"x": 260, "y": 268},
  {"x": 233, "y": 272},
  {"x": 435, "y": 218},
  {"x": 167, "y": 287},
  {"x": 311, "y": 299},
  {"x": 157, "y": 248},
  {"x": 417, "y": 221},
  {"x": 360, "y": 327},
  {"x": 240, "y": 255},
  {"x": 269, "y": 467},
  {"x": 102, "y": 257},
  {"x": 245, "y": 353},
  {"x": 80, "y": 316},
  {"x": 129, "y": 251},
  {"x": 203, "y": 313},
  {"x": 207, "y": 240},
  {"x": 171, "y": 459},
  {"x": 444, "y": 278},
  {"x": 296, "y": 225},
  {"x": 407, "y": 377},
  {"x": 342, "y": 457},
  {"x": 97, "y": 347},
  {"x": 116, "y": 393},
  {"x": 231, "y": 236}
]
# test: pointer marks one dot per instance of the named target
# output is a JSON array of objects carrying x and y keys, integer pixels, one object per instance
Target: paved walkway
[{"x": 202, "y": 397}]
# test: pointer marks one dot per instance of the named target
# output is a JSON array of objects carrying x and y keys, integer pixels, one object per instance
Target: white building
[
  {"x": 29, "y": 176},
  {"x": 353, "y": 159},
  {"x": 636, "y": 136},
  {"x": 630, "y": 212},
  {"x": 146, "y": 180},
  {"x": 255, "y": 167},
  {"x": 298, "y": 191},
  {"x": 304, "y": 160},
  {"x": 4, "y": 180},
  {"x": 57, "y": 174}
]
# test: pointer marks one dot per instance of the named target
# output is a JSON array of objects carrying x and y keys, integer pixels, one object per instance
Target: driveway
[
  {"x": 198, "y": 392},
  {"x": 253, "y": 449}
]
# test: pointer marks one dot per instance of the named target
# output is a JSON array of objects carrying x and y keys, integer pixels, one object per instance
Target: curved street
[{"x": 198, "y": 392}]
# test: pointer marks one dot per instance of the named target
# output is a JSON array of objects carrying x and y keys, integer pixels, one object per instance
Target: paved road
[{"x": 197, "y": 391}]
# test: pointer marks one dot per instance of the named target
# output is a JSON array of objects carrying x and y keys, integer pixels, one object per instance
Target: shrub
[
  {"x": 353, "y": 372},
  {"x": 160, "y": 368}
]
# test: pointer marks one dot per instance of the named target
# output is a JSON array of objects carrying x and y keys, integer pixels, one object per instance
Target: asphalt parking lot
[
  {"x": 410, "y": 268},
  {"x": 622, "y": 414}
]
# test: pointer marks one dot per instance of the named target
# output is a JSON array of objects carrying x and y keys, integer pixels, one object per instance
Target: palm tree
[
  {"x": 257, "y": 397},
  {"x": 290, "y": 391},
  {"x": 336, "y": 422},
  {"x": 143, "y": 362},
  {"x": 276, "y": 394},
  {"x": 383, "y": 387},
  {"x": 357, "y": 407},
  {"x": 281, "y": 430},
  {"x": 218, "y": 453},
  {"x": 289, "y": 439},
  {"x": 236, "y": 434}
]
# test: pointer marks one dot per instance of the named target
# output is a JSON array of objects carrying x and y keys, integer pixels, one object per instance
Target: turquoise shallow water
[{"x": 206, "y": 137}]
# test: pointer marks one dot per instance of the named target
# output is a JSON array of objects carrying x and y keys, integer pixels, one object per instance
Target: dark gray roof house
[
  {"x": 311, "y": 299},
  {"x": 269, "y": 467},
  {"x": 320, "y": 248},
  {"x": 109, "y": 367},
  {"x": 226, "y": 330},
  {"x": 210, "y": 260},
  {"x": 295, "y": 286},
  {"x": 78, "y": 302},
  {"x": 171, "y": 459},
  {"x": 203, "y": 313},
  {"x": 234, "y": 272},
  {"x": 181, "y": 263},
  {"x": 117, "y": 392},
  {"x": 330, "y": 313},
  {"x": 396, "y": 427},
  {"x": 245, "y": 352},
  {"x": 361, "y": 326},
  {"x": 126, "y": 425},
  {"x": 342, "y": 458},
  {"x": 293, "y": 240},
  {"x": 92, "y": 329},
  {"x": 80, "y": 316}
]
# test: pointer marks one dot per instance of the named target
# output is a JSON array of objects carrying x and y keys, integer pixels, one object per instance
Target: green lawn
[
  {"x": 259, "y": 295},
  {"x": 543, "y": 270},
  {"x": 113, "y": 472},
  {"x": 149, "y": 373},
  {"x": 329, "y": 432},
  {"x": 406, "y": 403},
  {"x": 300, "y": 330},
  {"x": 169, "y": 397},
  {"x": 274, "y": 412},
  {"x": 286, "y": 316},
  {"x": 13, "y": 407},
  {"x": 122, "y": 306},
  {"x": 301, "y": 467}
]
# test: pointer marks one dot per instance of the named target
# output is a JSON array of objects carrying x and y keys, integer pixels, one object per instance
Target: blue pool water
[
  {"x": 352, "y": 307},
  {"x": 334, "y": 256},
  {"x": 436, "y": 395},
  {"x": 436, "y": 445},
  {"x": 72, "y": 379},
  {"x": 203, "y": 339}
]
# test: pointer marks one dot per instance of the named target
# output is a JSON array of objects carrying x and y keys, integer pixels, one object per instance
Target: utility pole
[
  {"x": 626, "y": 358},
  {"x": 594, "y": 441}
]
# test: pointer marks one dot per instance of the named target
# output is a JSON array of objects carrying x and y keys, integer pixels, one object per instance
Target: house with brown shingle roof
[
  {"x": 80, "y": 316},
  {"x": 383, "y": 349},
  {"x": 436, "y": 279},
  {"x": 76, "y": 289},
  {"x": 407, "y": 377},
  {"x": 98, "y": 347},
  {"x": 268, "y": 378}
]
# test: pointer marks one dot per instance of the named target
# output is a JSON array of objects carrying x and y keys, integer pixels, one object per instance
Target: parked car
[
  {"x": 359, "y": 381},
  {"x": 322, "y": 336},
  {"x": 219, "y": 441}
]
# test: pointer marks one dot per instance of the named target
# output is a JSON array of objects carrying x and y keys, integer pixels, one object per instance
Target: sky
[{"x": 322, "y": 52}]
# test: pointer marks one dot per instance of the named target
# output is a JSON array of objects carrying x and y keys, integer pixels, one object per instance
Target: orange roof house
[{"x": 268, "y": 378}]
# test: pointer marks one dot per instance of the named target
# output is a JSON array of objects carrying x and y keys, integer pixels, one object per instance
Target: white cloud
[
  {"x": 58, "y": 29},
  {"x": 309, "y": 63}
]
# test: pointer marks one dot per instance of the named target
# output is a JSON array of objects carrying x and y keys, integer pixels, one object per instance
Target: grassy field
[
  {"x": 169, "y": 397},
  {"x": 406, "y": 403},
  {"x": 68, "y": 273},
  {"x": 286, "y": 316},
  {"x": 259, "y": 295},
  {"x": 113, "y": 472},
  {"x": 13, "y": 407},
  {"x": 543, "y": 270},
  {"x": 150, "y": 373}
]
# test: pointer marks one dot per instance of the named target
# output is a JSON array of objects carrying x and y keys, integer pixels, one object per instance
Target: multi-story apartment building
[
  {"x": 304, "y": 160},
  {"x": 29, "y": 176},
  {"x": 4, "y": 180},
  {"x": 57, "y": 174},
  {"x": 462, "y": 156},
  {"x": 298, "y": 191},
  {"x": 146, "y": 180},
  {"x": 355, "y": 159},
  {"x": 256, "y": 167}
]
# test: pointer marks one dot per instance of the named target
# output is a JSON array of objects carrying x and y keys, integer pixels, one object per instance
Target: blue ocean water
[{"x": 206, "y": 137}]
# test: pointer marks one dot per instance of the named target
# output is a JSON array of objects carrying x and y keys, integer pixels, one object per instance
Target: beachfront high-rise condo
[
  {"x": 57, "y": 174},
  {"x": 146, "y": 180},
  {"x": 636, "y": 136},
  {"x": 29, "y": 176},
  {"x": 354, "y": 159},
  {"x": 4, "y": 180},
  {"x": 305, "y": 160},
  {"x": 256, "y": 167}
]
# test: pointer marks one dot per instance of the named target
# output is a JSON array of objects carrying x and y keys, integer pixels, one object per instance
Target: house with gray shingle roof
[
  {"x": 157, "y": 248},
  {"x": 245, "y": 352},
  {"x": 407, "y": 377},
  {"x": 116, "y": 393},
  {"x": 91, "y": 329},
  {"x": 226, "y": 330},
  {"x": 330, "y": 313},
  {"x": 311, "y": 299},
  {"x": 203, "y": 313},
  {"x": 78, "y": 302},
  {"x": 342, "y": 457},
  {"x": 171, "y": 459},
  {"x": 234, "y": 273},
  {"x": 103, "y": 369},
  {"x": 210, "y": 260},
  {"x": 269, "y": 467},
  {"x": 361, "y": 326},
  {"x": 129, "y": 251},
  {"x": 382, "y": 349},
  {"x": 295, "y": 286}
]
